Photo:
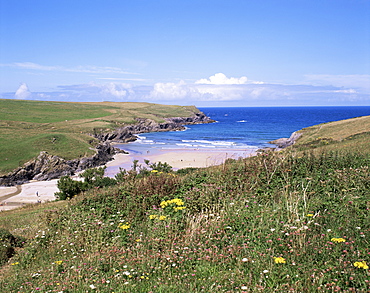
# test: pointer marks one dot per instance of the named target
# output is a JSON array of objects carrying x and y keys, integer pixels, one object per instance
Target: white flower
[
  {"x": 244, "y": 259},
  {"x": 92, "y": 286},
  {"x": 272, "y": 229},
  {"x": 265, "y": 271},
  {"x": 244, "y": 287},
  {"x": 328, "y": 230}
]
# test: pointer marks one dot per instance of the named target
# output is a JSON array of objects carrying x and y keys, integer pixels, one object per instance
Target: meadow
[
  {"x": 63, "y": 129},
  {"x": 289, "y": 221}
]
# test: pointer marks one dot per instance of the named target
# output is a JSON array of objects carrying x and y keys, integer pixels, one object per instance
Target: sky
[{"x": 194, "y": 52}]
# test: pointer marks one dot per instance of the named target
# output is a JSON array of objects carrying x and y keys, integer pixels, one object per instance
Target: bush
[{"x": 8, "y": 242}]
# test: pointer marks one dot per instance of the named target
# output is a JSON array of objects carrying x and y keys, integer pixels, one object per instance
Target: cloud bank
[{"x": 217, "y": 90}]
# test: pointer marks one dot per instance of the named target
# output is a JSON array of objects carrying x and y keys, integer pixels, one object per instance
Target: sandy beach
[{"x": 43, "y": 191}]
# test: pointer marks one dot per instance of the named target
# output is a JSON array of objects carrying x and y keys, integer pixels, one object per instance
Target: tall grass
[{"x": 278, "y": 222}]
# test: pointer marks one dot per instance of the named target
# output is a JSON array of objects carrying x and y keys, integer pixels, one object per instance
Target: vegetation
[
  {"x": 290, "y": 221},
  {"x": 62, "y": 129}
]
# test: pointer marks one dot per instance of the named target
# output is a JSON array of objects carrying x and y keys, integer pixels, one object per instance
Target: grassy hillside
[
  {"x": 293, "y": 221},
  {"x": 60, "y": 128},
  {"x": 349, "y": 135}
]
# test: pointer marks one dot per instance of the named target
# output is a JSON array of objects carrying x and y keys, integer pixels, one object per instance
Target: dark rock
[
  {"x": 127, "y": 133},
  {"x": 47, "y": 167},
  {"x": 282, "y": 143}
]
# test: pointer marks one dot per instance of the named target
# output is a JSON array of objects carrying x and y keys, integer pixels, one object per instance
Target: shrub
[{"x": 8, "y": 242}]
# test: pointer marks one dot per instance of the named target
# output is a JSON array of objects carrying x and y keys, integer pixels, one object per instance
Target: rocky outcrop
[
  {"x": 48, "y": 167},
  {"x": 282, "y": 143},
  {"x": 127, "y": 133}
]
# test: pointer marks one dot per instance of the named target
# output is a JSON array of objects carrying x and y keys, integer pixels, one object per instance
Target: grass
[
  {"x": 293, "y": 221},
  {"x": 349, "y": 135},
  {"x": 62, "y": 129}
]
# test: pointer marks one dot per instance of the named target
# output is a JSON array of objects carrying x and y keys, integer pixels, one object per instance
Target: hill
[
  {"x": 68, "y": 130},
  {"x": 290, "y": 221}
]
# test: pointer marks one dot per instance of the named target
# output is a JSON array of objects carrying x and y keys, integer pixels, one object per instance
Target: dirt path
[{"x": 18, "y": 191}]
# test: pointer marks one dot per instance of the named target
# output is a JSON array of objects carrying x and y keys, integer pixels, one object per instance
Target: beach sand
[
  {"x": 178, "y": 158},
  {"x": 33, "y": 192},
  {"x": 42, "y": 191}
]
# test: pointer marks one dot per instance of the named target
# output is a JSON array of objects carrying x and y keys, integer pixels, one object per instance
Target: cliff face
[
  {"x": 127, "y": 133},
  {"x": 282, "y": 143},
  {"x": 47, "y": 167}
]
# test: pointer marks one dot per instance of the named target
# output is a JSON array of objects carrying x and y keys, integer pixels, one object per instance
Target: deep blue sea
[{"x": 243, "y": 128}]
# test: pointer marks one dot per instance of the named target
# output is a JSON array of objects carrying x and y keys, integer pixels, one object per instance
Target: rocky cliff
[
  {"x": 282, "y": 143},
  {"x": 127, "y": 133},
  {"x": 47, "y": 167}
]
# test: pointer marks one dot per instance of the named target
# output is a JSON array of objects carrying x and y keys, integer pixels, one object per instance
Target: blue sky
[{"x": 198, "y": 52}]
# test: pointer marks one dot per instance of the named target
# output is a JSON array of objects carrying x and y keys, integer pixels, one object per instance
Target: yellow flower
[
  {"x": 162, "y": 218},
  {"x": 176, "y": 201},
  {"x": 152, "y": 217},
  {"x": 59, "y": 262},
  {"x": 124, "y": 227},
  {"x": 154, "y": 171},
  {"x": 279, "y": 259},
  {"x": 309, "y": 215},
  {"x": 179, "y": 208},
  {"x": 138, "y": 240},
  {"x": 15, "y": 263},
  {"x": 361, "y": 265},
  {"x": 338, "y": 240}
]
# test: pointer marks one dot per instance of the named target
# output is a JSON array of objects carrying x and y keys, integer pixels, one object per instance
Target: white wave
[
  {"x": 242, "y": 121},
  {"x": 207, "y": 142}
]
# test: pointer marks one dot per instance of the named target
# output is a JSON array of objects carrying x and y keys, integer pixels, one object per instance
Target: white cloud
[
  {"x": 173, "y": 91},
  {"x": 116, "y": 90},
  {"x": 220, "y": 78},
  {"x": 22, "y": 92}
]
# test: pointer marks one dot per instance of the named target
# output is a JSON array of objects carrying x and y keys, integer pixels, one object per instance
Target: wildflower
[
  {"x": 361, "y": 265},
  {"x": 279, "y": 259},
  {"x": 154, "y": 171},
  {"x": 15, "y": 263},
  {"x": 152, "y": 217},
  {"x": 244, "y": 287},
  {"x": 338, "y": 240},
  {"x": 59, "y": 262},
  {"x": 179, "y": 208},
  {"x": 92, "y": 286},
  {"x": 176, "y": 201},
  {"x": 162, "y": 218},
  {"x": 244, "y": 259},
  {"x": 124, "y": 226},
  {"x": 309, "y": 215}
]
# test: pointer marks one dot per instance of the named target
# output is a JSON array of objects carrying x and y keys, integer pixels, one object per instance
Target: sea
[{"x": 242, "y": 128}]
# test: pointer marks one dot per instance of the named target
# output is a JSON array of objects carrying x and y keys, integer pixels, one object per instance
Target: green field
[
  {"x": 291, "y": 221},
  {"x": 62, "y": 129}
]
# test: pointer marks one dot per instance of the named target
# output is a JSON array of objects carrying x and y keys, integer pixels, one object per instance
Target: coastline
[{"x": 43, "y": 191}]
